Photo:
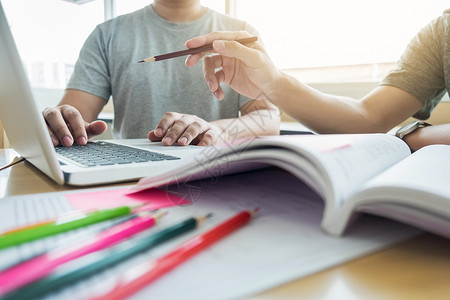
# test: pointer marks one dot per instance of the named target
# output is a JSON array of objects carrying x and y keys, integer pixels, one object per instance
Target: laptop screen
[{"x": 23, "y": 122}]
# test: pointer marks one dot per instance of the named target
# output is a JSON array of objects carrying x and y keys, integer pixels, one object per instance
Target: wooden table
[{"x": 416, "y": 269}]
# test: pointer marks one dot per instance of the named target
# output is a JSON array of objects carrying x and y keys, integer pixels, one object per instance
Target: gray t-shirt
[
  {"x": 424, "y": 68},
  {"x": 143, "y": 92}
]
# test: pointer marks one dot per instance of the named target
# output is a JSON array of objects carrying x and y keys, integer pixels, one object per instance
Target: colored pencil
[
  {"x": 193, "y": 51},
  {"x": 43, "y": 265},
  {"x": 140, "y": 276},
  {"x": 55, "y": 227},
  {"x": 97, "y": 261},
  {"x": 70, "y": 214},
  {"x": 75, "y": 238}
]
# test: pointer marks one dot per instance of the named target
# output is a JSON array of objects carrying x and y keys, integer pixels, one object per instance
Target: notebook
[{"x": 28, "y": 135}]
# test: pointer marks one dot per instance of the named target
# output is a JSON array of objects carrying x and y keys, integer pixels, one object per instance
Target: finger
[
  {"x": 165, "y": 123},
  {"x": 152, "y": 137},
  {"x": 220, "y": 77},
  {"x": 193, "y": 59},
  {"x": 214, "y": 78},
  {"x": 95, "y": 128},
  {"x": 177, "y": 129},
  {"x": 218, "y": 35},
  {"x": 210, "y": 64},
  {"x": 209, "y": 138},
  {"x": 251, "y": 57},
  {"x": 75, "y": 123},
  {"x": 196, "y": 128},
  {"x": 209, "y": 39},
  {"x": 58, "y": 126}
]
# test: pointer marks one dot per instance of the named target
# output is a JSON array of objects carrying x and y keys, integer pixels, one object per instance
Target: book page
[
  {"x": 348, "y": 160},
  {"x": 284, "y": 240},
  {"x": 415, "y": 190},
  {"x": 333, "y": 165}
]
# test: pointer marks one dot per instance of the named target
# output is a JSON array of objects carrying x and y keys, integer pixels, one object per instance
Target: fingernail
[
  {"x": 219, "y": 45},
  {"x": 67, "y": 141},
  {"x": 158, "y": 132},
  {"x": 167, "y": 140},
  {"x": 182, "y": 140},
  {"x": 211, "y": 85},
  {"x": 218, "y": 95},
  {"x": 82, "y": 141}
]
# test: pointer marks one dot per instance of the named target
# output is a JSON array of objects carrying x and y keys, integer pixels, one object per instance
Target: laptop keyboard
[{"x": 103, "y": 153}]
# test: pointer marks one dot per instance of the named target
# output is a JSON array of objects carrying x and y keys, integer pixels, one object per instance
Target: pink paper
[{"x": 156, "y": 199}]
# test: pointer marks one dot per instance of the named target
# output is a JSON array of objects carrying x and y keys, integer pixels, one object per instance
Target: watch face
[{"x": 408, "y": 128}]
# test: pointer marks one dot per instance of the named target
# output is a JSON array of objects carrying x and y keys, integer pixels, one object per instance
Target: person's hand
[
  {"x": 66, "y": 126},
  {"x": 184, "y": 129},
  {"x": 245, "y": 68}
]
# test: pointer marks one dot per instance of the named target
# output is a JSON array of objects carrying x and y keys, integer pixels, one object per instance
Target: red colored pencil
[{"x": 142, "y": 275}]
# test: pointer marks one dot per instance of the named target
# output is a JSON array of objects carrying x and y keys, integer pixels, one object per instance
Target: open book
[{"x": 354, "y": 173}]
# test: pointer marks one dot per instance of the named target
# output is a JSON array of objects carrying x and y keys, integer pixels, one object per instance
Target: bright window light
[
  {"x": 327, "y": 33},
  {"x": 49, "y": 35},
  {"x": 320, "y": 41}
]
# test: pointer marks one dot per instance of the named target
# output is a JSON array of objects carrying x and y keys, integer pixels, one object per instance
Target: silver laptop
[{"x": 27, "y": 132}]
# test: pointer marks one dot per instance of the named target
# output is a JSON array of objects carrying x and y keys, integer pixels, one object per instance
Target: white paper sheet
[{"x": 283, "y": 241}]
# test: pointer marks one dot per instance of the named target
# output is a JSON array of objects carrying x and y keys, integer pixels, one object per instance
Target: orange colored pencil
[
  {"x": 25, "y": 227},
  {"x": 48, "y": 221},
  {"x": 140, "y": 276}
]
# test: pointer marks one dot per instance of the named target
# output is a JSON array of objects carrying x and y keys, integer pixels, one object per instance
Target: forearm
[
  {"x": 323, "y": 113},
  {"x": 320, "y": 112},
  {"x": 87, "y": 104},
  {"x": 256, "y": 123}
]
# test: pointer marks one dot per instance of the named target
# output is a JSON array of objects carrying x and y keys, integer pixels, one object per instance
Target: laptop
[{"x": 28, "y": 134}]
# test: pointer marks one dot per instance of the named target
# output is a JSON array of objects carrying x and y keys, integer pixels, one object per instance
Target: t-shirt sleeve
[
  {"x": 420, "y": 69},
  {"x": 91, "y": 73}
]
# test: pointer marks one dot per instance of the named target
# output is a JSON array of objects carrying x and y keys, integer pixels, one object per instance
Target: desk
[{"x": 416, "y": 269}]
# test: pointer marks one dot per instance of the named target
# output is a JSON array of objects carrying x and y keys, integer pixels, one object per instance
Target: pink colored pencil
[
  {"x": 139, "y": 277},
  {"x": 43, "y": 265}
]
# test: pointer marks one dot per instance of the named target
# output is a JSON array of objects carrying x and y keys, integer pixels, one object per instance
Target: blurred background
[{"x": 343, "y": 47}]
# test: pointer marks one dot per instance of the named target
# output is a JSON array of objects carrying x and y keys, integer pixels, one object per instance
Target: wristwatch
[{"x": 410, "y": 127}]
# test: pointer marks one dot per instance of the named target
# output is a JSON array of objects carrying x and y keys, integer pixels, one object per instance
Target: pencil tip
[
  {"x": 204, "y": 217},
  {"x": 159, "y": 215},
  {"x": 255, "y": 210},
  {"x": 150, "y": 59}
]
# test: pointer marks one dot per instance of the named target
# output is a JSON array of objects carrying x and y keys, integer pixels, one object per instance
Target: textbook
[
  {"x": 283, "y": 242},
  {"x": 352, "y": 173}
]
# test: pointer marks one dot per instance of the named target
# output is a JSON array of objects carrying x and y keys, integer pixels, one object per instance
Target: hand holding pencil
[
  {"x": 247, "y": 69},
  {"x": 195, "y": 50}
]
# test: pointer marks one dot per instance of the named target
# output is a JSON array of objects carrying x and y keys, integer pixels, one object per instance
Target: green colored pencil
[
  {"x": 34, "y": 233},
  {"x": 95, "y": 262}
]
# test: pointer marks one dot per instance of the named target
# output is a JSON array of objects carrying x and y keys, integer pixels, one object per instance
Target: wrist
[
  {"x": 411, "y": 134},
  {"x": 279, "y": 88},
  {"x": 413, "y": 140}
]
